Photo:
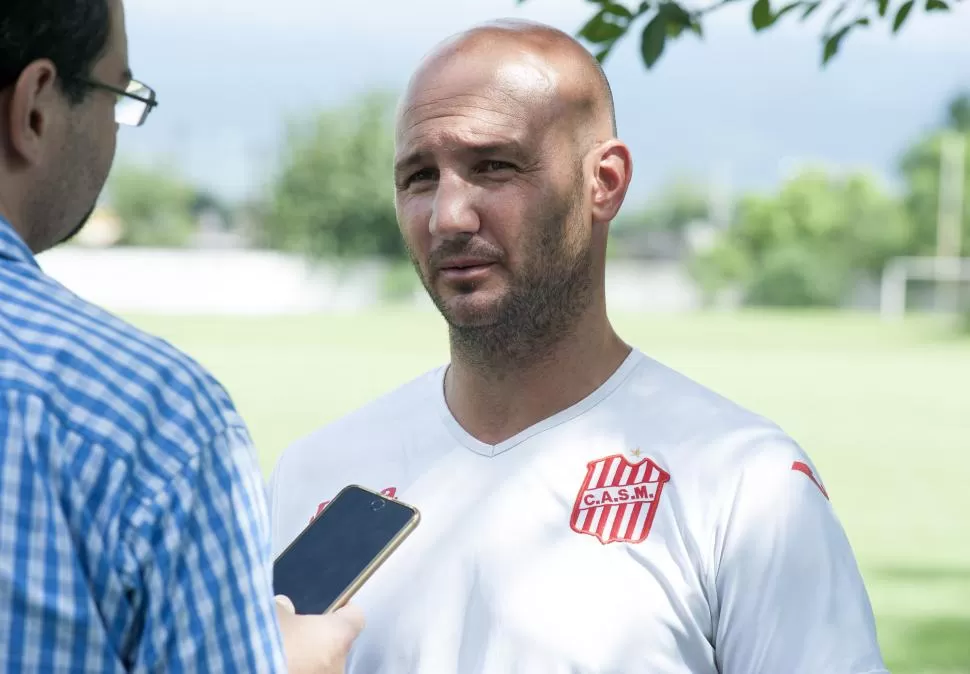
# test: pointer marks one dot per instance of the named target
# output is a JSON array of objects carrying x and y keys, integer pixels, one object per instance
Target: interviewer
[{"x": 134, "y": 533}]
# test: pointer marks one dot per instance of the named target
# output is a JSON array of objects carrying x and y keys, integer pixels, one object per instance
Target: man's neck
[
  {"x": 4, "y": 211},
  {"x": 8, "y": 215},
  {"x": 494, "y": 402}
]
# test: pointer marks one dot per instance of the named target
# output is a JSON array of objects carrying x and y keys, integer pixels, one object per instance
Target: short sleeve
[
  {"x": 790, "y": 597},
  {"x": 200, "y": 563}
]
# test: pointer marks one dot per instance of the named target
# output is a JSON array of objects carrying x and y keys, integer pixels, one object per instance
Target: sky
[{"x": 738, "y": 109}]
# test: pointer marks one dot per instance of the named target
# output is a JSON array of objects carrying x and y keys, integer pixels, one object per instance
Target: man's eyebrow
[
  {"x": 127, "y": 76},
  {"x": 498, "y": 147},
  {"x": 475, "y": 149},
  {"x": 411, "y": 159}
]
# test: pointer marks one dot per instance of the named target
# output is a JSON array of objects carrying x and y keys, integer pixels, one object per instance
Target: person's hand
[{"x": 318, "y": 644}]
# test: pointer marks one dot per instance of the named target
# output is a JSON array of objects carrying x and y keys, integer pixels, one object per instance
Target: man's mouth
[{"x": 465, "y": 269}]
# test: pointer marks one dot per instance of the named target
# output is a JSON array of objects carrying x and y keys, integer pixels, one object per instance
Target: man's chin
[
  {"x": 474, "y": 310},
  {"x": 77, "y": 228}
]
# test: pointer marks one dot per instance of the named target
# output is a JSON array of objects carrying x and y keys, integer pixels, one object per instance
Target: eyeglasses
[{"x": 134, "y": 103}]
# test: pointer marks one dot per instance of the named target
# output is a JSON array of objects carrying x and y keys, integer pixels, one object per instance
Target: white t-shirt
[{"x": 653, "y": 527}]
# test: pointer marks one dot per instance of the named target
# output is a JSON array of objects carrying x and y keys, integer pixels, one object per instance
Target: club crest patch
[{"x": 618, "y": 499}]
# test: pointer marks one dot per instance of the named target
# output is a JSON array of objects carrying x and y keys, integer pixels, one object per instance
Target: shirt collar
[{"x": 13, "y": 247}]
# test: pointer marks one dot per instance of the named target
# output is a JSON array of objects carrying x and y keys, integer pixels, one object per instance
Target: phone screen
[{"x": 340, "y": 544}]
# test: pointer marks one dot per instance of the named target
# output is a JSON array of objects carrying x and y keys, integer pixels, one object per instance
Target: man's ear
[
  {"x": 612, "y": 173},
  {"x": 31, "y": 110}
]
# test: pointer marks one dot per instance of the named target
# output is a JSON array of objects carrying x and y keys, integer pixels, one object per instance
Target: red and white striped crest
[{"x": 619, "y": 499}]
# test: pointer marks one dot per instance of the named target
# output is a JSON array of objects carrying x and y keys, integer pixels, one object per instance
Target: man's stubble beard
[
  {"x": 48, "y": 211},
  {"x": 542, "y": 305}
]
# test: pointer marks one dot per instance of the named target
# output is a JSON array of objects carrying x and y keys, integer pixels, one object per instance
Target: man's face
[
  {"x": 84, "y": 145},
  {"x": 490, "y": 200}
]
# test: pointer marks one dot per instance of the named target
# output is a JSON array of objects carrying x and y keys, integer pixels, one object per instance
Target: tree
[
  {"x": 920, "y": 167},
  {"x": 665, "y": 20},
  {"x": 661, "y": 227},
  {"x": 806, "y": 245},
  {"x": 334, "y": 195},
  {"x": 154, "y": 203},
  {"x": 678, "y": 204}
]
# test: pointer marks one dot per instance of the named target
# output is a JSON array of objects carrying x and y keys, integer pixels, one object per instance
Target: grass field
[{"x": 883, "y": 411}]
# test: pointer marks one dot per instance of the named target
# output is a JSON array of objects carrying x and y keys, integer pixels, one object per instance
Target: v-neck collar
[{"x": 592, "y": 400}]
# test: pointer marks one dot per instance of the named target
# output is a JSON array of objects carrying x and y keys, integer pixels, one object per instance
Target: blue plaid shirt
[{"x": 134, "y": 533}]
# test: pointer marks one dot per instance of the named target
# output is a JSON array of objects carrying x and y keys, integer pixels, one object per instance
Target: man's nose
[{"x": 453, "y": 212}]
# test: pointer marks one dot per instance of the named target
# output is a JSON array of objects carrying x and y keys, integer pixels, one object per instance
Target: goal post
[{"x": 901, "y": 270}]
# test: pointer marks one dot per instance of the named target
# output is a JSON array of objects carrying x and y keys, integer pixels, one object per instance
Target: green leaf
[
  {"x": 599, "y": 30},
  {"x": 787, "y": 8},
  {"x": 676, "y": 17},
  {"x": 810, "y": 9},
  {"x": 617, "y": 10},
  {"x": 902, "y": 15},
  {"x": 832, "y": 44},
  {"x": 603, "y": 53},
  {"x": 653, "y": 39},
  {"x": 761, "y": 14},
  {"x": 676, "y": 13},
  {"x": 883, "y": 6},
  {"x": 644, "y": 6},
  {"x": 936, "y": 5}
]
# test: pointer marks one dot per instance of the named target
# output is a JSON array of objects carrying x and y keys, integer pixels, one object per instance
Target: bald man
[{"x": 585, "y": 508}]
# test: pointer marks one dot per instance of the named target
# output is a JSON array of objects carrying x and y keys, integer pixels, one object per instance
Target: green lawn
[{"x": 884, "y": 412}]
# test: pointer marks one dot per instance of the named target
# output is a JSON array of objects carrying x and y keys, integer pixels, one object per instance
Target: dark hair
[{"x": 73, "y": 34}]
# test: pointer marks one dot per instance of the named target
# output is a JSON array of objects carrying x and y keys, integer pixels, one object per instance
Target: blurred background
[{"x": 796, "y": 237}]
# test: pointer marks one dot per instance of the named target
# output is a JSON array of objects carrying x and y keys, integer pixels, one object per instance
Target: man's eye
[
  {"x": 496, "y": 165},
  {"x": 419, "y": 176}
]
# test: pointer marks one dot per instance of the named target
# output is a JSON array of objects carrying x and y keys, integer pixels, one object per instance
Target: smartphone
[{"x": 341, "y": 548}]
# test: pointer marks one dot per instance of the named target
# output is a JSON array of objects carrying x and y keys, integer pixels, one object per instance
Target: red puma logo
[{"x": 803, "y": 468}]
